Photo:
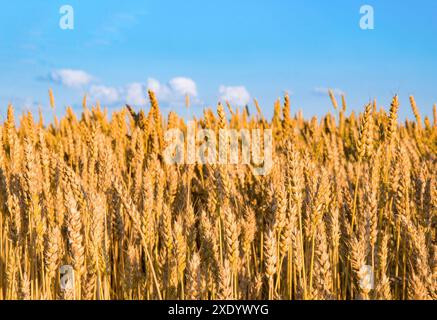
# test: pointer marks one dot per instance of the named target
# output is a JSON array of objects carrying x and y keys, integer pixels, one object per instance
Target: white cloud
[
  {"x": 162, "y": 91},
  {"x": 23, "y": 104},
  {"x": 106, "y": 95},
  {"x": 30, "y": 104},
  {"x": 183, "y": 86},
  {"x": 71, "y": 78},
  {"x": 174, "y": 91},
  {"x": 133, "y": 93},
  {"x": 324, "y": 91},
  {"x": 136, "y": 94},
  {"x": 238, "y": 96}
]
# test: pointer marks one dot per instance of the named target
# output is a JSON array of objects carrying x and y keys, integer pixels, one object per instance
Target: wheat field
[{"x": 346, "y": 191}]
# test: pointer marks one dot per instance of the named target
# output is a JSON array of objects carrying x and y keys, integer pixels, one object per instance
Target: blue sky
[{"x": 217, "y": 50}]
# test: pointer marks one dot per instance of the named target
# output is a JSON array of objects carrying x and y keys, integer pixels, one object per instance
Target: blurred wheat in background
[{"x": 346, "y": 191}]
